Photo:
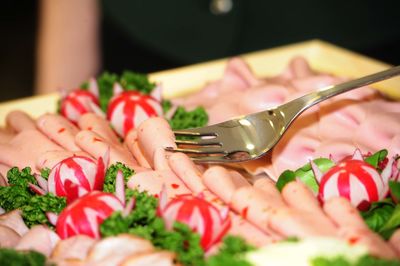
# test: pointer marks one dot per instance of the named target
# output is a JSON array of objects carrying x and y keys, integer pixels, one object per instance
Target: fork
[{"x": 251, "y": 136}]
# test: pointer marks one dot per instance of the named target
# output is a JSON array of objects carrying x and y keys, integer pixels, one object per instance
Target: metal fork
[{"x": 251, "y": 136}]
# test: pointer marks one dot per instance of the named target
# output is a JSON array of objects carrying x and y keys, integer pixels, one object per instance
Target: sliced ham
[
  {"x": 187, "y": 171},
  {"x": 299, "y": 197},
  {"x": 25, "y": 148},
  {"x": 158, "y": 258},
  {"x": 59, "y": 129},
  {"x": 50, "y": 158},
  {"x": 222, "y": 183},
  {"x": 395, "y": 241},
  {"x": 153, "y": 182},
  {"x": 8, "y": 237},
  {"x": 91, "y": 121},
  {"x": 73, "y": 248},
  {"x": 154, "y": 133},
  {"x": 13, "y": 219},
  {"x": 19, "y": 121},
  {"x": 117, "y": 248},
  {"x": 96, "y": 146},
  {"x": 6, "y": 135},
  {"x": 40, "y": 238}
]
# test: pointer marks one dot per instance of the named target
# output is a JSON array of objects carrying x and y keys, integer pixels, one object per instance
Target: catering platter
[
  {"x": 322, "y": 56},
  {"x": 85, "y": 173}
]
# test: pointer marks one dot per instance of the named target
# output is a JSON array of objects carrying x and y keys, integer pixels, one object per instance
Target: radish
[
  {"x": 84, "y": 215},
  {"x": 355, "y": 180},
  {"x": 127, "y": 109},
  {"x": 77, "y": 175},
  {"x": 78, "y": 101},
  {"x": 200, "y": 215}
]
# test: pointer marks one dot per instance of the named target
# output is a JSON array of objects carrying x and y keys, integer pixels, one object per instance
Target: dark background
[{"x": 368, "y": 27}]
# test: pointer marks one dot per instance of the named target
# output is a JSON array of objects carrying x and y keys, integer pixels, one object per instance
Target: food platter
[
  {"x": 104, "y": 156},
  {"x": 322, "y": 56}
]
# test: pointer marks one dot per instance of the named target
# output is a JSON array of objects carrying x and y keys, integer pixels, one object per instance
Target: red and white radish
[
  {"x": 79, "y": 101},
  {"x": 200, "y": 215},
  {"x": 355, "y": 180},
  {"x": 84, "y": 215},
  {"x": 127, "y": 109},
  {"x": 77, "y": 175}
]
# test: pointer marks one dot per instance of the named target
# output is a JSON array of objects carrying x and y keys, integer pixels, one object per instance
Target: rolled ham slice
[
  {"x": 395, "y": 241},
  {"x": 154, "y": 133},
  {"x": 96, "y": 146},
  {"x": 92, "y": 122},
  {"x": 59, "y": 129},
  {"x": 157, "y": 258},
  {"x": 13, "y": 220},
  {"x": 19, "y": 121},
  {"x": 6, "y": 135},
  {"x": 8, "y": 237},
  {"x": 154, "y": 181},
  {"x": 187, "y": 171},
  {"x": 40, "y": 239},
  {"x": 50, "y": 158},
  {"x": 223, "y": 183},
  {"x": 25, "y": 148},
  {"x": 73, "y": 248}
]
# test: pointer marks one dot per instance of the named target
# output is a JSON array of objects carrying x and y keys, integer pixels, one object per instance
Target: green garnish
[
  {"x": 45, "y": 172},
  {"x": 376, "y": 158},
  {"x": 12, "y": 257},
  {"x": 111, "y": 174},
  {"x": 231, "y": 253},
  {"x": 18, "y": 196},
  {"x": 363, "y": 261},
  {"x": 183, "y": 119}
]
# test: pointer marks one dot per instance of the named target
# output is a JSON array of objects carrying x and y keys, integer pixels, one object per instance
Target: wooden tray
[{"x": 322, "y": 56}]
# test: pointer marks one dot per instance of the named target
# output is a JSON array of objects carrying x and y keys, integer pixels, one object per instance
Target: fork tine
[
  {"x": 200, "y": 131},
  {"x": 198, "y": 150},
  {"x": 200, "y": 142},
  {"x": 210, "y": 159}
]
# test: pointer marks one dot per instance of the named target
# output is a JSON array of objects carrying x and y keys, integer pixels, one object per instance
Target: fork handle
[{"x": 295, "y": 107}]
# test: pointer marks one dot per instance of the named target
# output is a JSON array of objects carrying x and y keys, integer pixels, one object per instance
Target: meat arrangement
[{"x": 79, "y": 144}]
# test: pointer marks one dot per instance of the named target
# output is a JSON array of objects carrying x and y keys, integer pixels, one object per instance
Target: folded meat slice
[
  {"x": 91, "y": 121},
  {"x": 25, "y": 148},
  {"x": 155, "y": 258},
  {"x": 187, "y": 171},
  {"x": 353, "y": 229},
  {"x": 113, "y": 250},
  {"x": 154, "y": 181},
  {"x": 395, "y": 241},
  {"x": 223, "y": 183},
  {"x": 8, "y": 237},
  {"x": 154, "y": 133},
  {"x": 96, "y": 146},
  {"x": 50, "y": 158},
  {"x": 40, "y": 238},
  {"x": 13, "y": 220},
  {"x": 5, "y": 135},
  {"x": 18, "y": 121},
  {"x": 59, "y": 129},
  {"x": 73, "y": 248}
]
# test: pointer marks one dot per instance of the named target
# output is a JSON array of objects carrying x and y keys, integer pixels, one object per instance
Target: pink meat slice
[
  {"x": 6, "y": 135},
  {"x": 340, "y": 119},
  {"x": 19, "y": 121},
  {"x": 187, "y": 171},
  {"x": 154, "y": 181},
  {"x": 96, "y": 146},
  {"x": 161, "y": 159},
  {"x": 222, "y": 183},
  {"x": 25, "y": 148},
  {"x": 13, "y": 219},
  {"x": 91, "y": 121},
  {"x": 8, "y": 237},
  {"x": 139, "y": 155},
  {"x": 3, "y": 172},
  {"x": 337, "y": 149},
  {"x": 256, "y": 206},
  {"x": 40, "y": 238},
  {"x": 75, "y": 247},
  {"x": 395, "y": 241},
  {"x": 59, "y": 129},
  {"x": 50, "y": 158},
  {"x": 154, "y": 133}
]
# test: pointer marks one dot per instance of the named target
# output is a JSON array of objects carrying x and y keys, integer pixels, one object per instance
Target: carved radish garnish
[
  {"x": 355, "y": 180},
  {"x": 200, "y": 215},
  {"x": 127, "y": 109},
  {"x": 78, "y": 101},
  {"x": 85, "y": 214},
  {"x": 77, "y": 175}
]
